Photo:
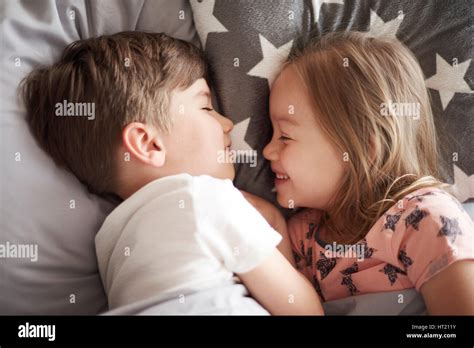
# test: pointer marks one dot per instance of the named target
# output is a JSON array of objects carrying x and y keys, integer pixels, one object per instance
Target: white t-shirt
[{"x": 180, "y": 234}]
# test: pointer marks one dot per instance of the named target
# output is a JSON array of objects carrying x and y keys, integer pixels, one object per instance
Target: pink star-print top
[{"x": 415, "y": 239}]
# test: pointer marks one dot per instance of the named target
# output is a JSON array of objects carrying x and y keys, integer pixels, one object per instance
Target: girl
[{"x": 354, "y": 144}]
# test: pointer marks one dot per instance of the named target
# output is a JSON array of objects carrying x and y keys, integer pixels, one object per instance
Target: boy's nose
[{"x": 226, "y": 123}]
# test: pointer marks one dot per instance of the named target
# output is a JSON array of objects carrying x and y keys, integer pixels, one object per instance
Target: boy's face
[{"x": 199, "y": 135}]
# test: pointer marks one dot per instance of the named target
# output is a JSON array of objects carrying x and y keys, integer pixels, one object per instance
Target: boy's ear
[{"x": 144, "y": 143}]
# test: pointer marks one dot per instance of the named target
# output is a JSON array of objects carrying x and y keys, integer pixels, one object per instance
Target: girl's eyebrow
[{"x": 288, "y": 119}]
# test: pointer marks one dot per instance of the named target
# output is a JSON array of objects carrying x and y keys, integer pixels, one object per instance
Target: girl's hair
[{"x": 369, "y": 97}]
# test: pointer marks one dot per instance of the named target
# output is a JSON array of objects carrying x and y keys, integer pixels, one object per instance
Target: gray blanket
[
  {"x": 230, "y": 299},
  {"x": 234, "y": 300}
]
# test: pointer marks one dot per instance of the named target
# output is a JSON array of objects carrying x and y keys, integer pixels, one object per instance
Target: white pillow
[{"x": 40, "y": 204}]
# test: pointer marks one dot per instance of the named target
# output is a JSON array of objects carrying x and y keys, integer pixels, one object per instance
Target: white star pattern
[
  {"x": 238, "y": 135},
  {"x": 449, "y": 79},
  {"x": 204, "y": 19},
  {"x": 317, "y": 4},
  {"x": 273, "y": 58},
  {"x": 379, "y": 28},
  {"x": 463, "y": 187}
]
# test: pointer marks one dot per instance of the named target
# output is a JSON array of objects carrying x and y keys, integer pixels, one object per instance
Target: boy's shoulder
[
  {"x": 180, "y": 184},
  {"x": 172, "y": 200},
  {"x": 212, "y": 183},
  {"x": 180, "y": 194}
]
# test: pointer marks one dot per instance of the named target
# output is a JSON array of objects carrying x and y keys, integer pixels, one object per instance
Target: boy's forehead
[{"x": 198, "y": 88}]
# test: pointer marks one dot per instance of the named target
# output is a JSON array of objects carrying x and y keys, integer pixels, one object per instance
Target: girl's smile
[{"x": 307, "y": 166}]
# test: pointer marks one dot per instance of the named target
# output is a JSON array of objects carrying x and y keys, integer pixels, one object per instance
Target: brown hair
[
  {"x": 350, "y": 78},
  {"x": 126, "y": 77}
]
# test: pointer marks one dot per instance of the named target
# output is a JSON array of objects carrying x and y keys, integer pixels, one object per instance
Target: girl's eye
[
  {"x": 208, "y": 109},
  {"x": 283, "y": 138}
]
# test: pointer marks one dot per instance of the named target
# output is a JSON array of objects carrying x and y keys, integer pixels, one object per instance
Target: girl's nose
[{"x": 270, "y": 151}]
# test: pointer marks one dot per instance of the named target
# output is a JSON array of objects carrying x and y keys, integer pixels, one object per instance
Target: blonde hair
[{"x": 350, "y": 77}]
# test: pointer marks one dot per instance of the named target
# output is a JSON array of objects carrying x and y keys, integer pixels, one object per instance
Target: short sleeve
[
  {"x": 231, "y": 229},
  {"x": 301, "y": 229},
  {"x": 433, "y": 233}
]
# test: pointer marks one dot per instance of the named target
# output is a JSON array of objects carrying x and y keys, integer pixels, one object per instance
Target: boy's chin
[
  {"x": 230, "y": 172},
  {"x": 227, "y": 172}
]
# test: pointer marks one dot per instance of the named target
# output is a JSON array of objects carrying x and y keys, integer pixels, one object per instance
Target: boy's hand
[
  {"x": 277, "y": 274},
  {"x": 274, "y": 219},
  {"x": 274, "y": 282}
]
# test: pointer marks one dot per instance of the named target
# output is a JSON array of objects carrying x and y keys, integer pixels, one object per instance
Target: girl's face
[{"x": 308, "y": 168}]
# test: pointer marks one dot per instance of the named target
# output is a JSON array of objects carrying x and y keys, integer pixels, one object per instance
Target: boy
[{"x": 153, "y": 141}]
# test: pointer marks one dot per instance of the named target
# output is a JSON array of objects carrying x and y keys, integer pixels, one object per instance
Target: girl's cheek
[{"x": 289, "y": 161}]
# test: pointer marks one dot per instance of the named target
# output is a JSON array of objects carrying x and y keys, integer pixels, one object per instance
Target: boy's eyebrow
[{"x": 203, "y": 93}]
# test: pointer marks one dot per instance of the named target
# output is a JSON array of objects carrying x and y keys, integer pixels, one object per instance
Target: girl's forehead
[
  {"x": 286, "y": 75},
  {"x": 288, "y": 93}
]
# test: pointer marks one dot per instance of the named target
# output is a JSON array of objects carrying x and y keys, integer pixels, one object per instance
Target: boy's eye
[
  {"x": 283, "y": 138},
  {"x": 208, "y": 109}
]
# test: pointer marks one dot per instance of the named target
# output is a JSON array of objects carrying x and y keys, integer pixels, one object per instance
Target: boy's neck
[{"x": 129, "y": 186}]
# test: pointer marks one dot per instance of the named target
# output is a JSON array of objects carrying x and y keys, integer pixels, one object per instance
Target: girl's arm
[
  {"x": 451, "y": 292},
  {"x": 281, "y": 289}
]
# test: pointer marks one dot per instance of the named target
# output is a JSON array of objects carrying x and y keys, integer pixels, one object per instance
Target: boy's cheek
[{"x": 232, "y": 172}]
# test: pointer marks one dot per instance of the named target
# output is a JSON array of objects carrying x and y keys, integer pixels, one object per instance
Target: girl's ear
[{"x": 144, "y": 143}]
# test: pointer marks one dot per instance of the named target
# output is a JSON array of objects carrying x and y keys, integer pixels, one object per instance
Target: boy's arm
[
  {"x": 281, "y": 289},
  {"x": 276, "y": 220}
]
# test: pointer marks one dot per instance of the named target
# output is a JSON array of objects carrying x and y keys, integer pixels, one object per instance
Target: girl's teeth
[{"x": 282, "y": 176}]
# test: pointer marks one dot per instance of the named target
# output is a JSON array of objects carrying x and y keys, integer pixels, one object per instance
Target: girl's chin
[{"x": 285, "y": 201}]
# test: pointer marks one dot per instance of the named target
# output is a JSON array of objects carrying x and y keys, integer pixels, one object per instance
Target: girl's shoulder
[
  {"x": 433, "y": 198},
  {"x": 302, "y": 228},
  {"x": 300, "y": 221},
  {"x": 426, "y": 204},
  {"x": 424, "y": 233}
]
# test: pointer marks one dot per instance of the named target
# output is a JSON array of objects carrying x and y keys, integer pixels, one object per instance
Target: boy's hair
[
  {"x": 121, "y": 78},
  {"x": 352, "y": 82}
]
